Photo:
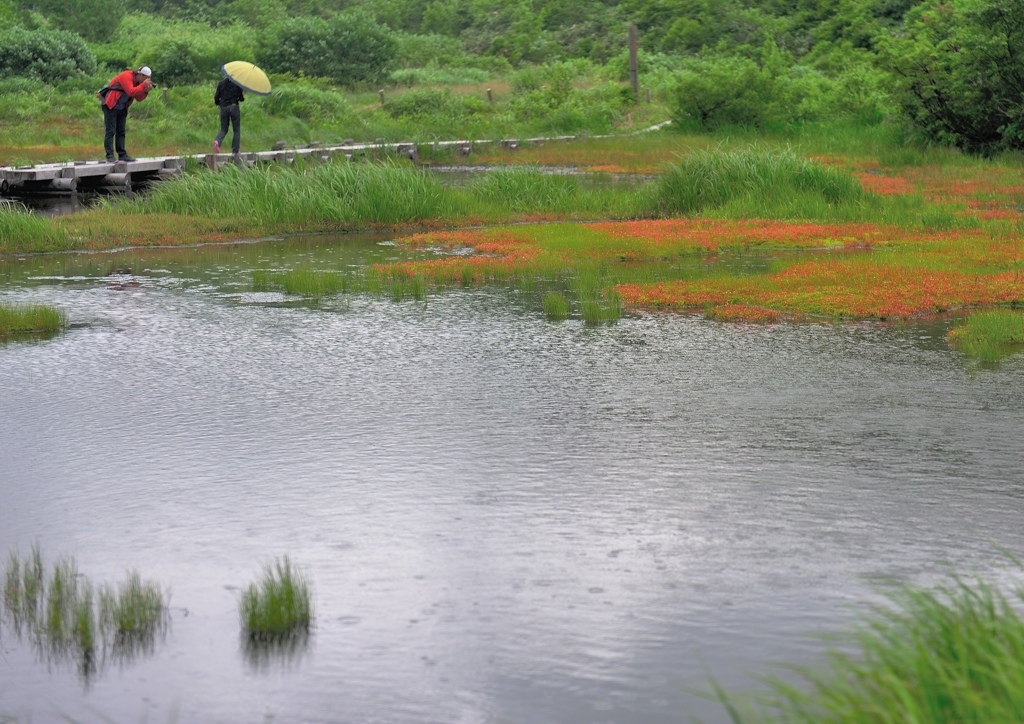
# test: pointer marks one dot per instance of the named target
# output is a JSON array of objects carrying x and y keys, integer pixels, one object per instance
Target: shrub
[
  {"x": 50, "y": 55},
  {"x": 435, "y": 103},
  {"x": 347, "y": 48},
  {"x": 179, "y": 62},
  {"x": 305, "y": 102}
]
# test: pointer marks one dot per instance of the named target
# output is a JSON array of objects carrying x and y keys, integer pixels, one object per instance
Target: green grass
[
  {"x": 30, "y": 318},
  {"x": 351, "y": 195},
  {"x": 311, "y": 283},
  {"x": 950, "y": 654},
  {"x": 64, "y": 619},
  {"x": 556, "y": 305},
  {"x": 22, "y": 231},
  {"x": 279, "y": 605},
  {"x": 706, "y": 180},
  {"x": 989, "y": 336}
]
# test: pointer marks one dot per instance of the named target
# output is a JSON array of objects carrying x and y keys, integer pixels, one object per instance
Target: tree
[{"x": 959, "y": 72}]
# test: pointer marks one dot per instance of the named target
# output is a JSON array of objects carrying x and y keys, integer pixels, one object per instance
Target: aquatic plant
[
  {"x": 556, "y": 305},
  {"x": 260, "y": 280},
  {"x": 311, "y": 283},
  {"x": 989, "y": 336},
  {"x": 136, "y": 610},
  {"x": 854, "y": 287},
  {"x": 30, "y": 318},
  {"x": 278, "y": 605},
  {"x": 64, "y": 619},
  {"x": 954, "y": 653}
]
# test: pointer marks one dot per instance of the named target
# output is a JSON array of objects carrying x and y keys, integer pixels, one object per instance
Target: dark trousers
[
  {"x": 231, "y": 114},
  {"x": 115, "y": 123}
]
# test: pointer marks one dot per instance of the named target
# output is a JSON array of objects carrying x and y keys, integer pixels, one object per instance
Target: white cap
[{"x": 144, "y": 70}]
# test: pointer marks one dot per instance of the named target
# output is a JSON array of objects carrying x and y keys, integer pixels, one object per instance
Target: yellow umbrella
[{"x": 248, "y": 77}]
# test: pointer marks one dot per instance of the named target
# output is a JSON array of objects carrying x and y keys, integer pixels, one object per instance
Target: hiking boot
[
  {"x": 111, "y": 159},
  {"x": 125, "y": 157},
  {"x": 216, "y": 146}
]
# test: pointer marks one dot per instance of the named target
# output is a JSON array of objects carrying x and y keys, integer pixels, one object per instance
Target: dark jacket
[{"x": 227, "y": 93}]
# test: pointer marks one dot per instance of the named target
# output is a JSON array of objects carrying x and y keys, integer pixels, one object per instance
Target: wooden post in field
[
  {"x": 165, "y": 96},
  {"x": 634, "y": 66},
  {"x": 490, "y": 96},
  {"x": 382, "y": 97},
  {"x": 648, "y": 95}
]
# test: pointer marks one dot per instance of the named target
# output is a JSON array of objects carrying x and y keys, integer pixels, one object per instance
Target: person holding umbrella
[{"x": 239, "y": 77}]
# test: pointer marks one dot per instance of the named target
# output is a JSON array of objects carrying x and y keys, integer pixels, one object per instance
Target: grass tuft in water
[
  {"x": 950, "y": 654},
  {"x": 30, "y": 318},
  {"x": 989, "y": 336},
  {"x": 312, "y": 283},
  {"x": 277, "y": 606},
  {"x": 63, "y": 618},
  {"x": 556, "y": 306},
  {"x": 137, "y": 610},
  {"x": 260, "y": 280}
]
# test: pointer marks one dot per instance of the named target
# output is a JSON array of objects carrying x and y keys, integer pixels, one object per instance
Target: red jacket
[{"x": 126, "y": 80}]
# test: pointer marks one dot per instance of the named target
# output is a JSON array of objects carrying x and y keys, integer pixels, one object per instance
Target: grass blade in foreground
[
  {"x": 951, "y": 654},
  {"x": 277, "y": 606}
]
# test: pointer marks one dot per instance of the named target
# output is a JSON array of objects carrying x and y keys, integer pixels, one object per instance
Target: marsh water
[{"x": 505, "y": 519}]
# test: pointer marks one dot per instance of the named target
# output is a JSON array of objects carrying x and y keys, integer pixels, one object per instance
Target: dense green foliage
[
  {"x": 949, "y": 68},
  {"x": 960, "y": 72},
  {"x": 43, "y": 55},
  {"x": 346, "y": 48}
]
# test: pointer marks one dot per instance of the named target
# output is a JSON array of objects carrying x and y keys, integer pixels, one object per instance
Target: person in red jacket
[{"x": 128, "y": 86}]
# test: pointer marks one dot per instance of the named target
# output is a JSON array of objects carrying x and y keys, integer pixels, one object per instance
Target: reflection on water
[
  {"x": 286, "y": 652},
  {"x": 505, "y": 519}
]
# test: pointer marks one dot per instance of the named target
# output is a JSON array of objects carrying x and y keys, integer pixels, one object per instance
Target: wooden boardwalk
[
  {"x": 91, "y": 176},
  {"x": 86, "y": 176}
]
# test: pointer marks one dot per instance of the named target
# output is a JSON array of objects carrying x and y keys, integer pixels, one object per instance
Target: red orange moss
[
  {"x": 680, "y": 235},
  {"x": 843, "y": 288},
  {"x": 743, "y": 313},
  {"x": 885, "y": 185}
]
